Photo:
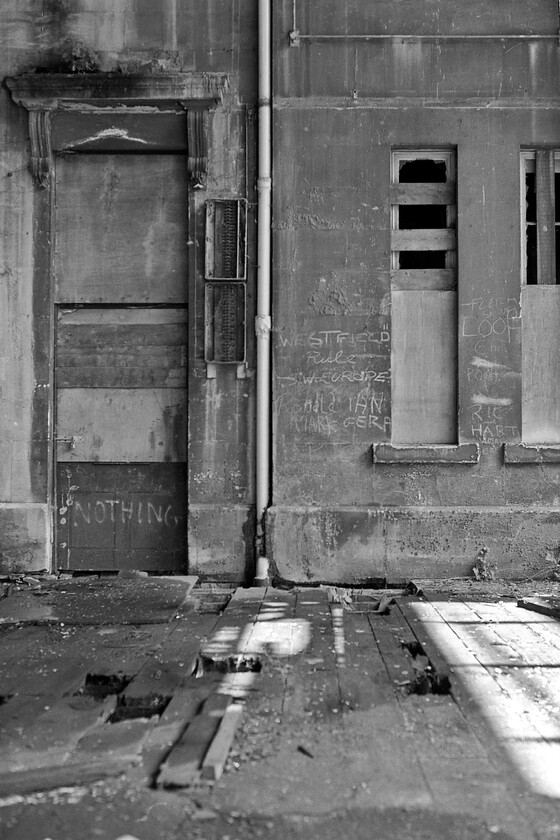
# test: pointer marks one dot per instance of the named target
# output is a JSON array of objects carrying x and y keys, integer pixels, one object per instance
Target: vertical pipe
[{"x": 263, "y": 318}]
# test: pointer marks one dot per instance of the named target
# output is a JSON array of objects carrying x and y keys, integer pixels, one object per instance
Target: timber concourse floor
[{"x": 306, "y": 701}]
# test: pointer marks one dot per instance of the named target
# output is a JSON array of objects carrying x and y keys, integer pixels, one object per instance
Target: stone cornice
[{"x": 48, "y": 91}]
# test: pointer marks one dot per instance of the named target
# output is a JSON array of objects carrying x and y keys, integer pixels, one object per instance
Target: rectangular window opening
[
  {"x": 540, "y": 297},
  {"x": 541, "y": 217},
  {"x": 423, "y": 297}
]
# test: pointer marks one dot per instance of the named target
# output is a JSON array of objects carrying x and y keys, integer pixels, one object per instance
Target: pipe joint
[
  {"x": 263, "y": 327},
  {"x": 294, "y": 38}
]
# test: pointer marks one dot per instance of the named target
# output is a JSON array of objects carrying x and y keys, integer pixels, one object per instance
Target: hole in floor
[
  {"x": 4, "y": 698},
  {"x": 102, "y": 685},
  {"x": 228, "y": 665},
  {"x": 414, "y": 648},
  {"x": 428, "y": 681},
  {"x": 130, "y": 708}
]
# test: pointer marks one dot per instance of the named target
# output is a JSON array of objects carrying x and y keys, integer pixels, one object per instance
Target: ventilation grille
[
  {"x": 226, "y": 239},
  {"x": 224, "y": 322}
]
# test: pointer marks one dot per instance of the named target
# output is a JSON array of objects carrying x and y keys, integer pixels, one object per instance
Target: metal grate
[
  {"x": 226, "y": 240},
  {"x": 225, "y": 322}
]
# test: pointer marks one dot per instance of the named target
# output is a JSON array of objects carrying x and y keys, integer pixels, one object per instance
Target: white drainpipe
[{"x": 263, "y": 322}]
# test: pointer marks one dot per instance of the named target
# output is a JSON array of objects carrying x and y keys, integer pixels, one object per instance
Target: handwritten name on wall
[
  {"x": 335, "y": 384},
  {"x": 491, "y": 328}
]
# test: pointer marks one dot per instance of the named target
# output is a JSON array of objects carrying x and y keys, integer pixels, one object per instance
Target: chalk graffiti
[
  {"x": 327, "y": 377},
  {"x": 329, "y": 339},
  {"x": 353, "y": 367},
  {"x": 488, "y": 318},
  {"x": 490, "y": 420},
  {"x": 111, "y": 510}
]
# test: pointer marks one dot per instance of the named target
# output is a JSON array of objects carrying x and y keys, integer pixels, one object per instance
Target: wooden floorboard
[
  {"x": 489, "y": 699},
  {"x": 312, "y": 687}
]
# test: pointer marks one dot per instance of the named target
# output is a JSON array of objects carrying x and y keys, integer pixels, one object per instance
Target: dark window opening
[
  {"x": 423, "y": 171},
  {"x": 531, "y": 197},
  {"x": 531, "y": 255},
  {"x": 417, "y": 216},
  {"x": 534, "y": 231},
  {"x": 422, "y": 259}
]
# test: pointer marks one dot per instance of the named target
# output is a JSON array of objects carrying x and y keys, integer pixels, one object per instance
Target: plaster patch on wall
[
  {"x": 329, "y": 301},
  {"x": 120, "y": 133}
]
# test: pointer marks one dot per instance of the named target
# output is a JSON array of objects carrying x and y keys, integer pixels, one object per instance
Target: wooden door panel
[
  {"x": 121, "y": 229},
  {"x": 112, "y": 424},
  {"x": 120, "y": 265},
  {"x": 119, "y": 516},
  {"x": 136, "y": 347}
]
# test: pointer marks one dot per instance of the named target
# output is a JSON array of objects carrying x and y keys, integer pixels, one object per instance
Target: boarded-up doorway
[{"x": 121, "y": 281}]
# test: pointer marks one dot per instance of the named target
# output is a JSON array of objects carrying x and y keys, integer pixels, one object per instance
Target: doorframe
[{"x": 44, "y": 95}]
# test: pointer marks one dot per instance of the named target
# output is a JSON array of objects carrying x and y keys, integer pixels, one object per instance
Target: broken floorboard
[
  {"x": 92, "y": 600},
  {"x": 50, "y": 721},
  {"x": 504, "y": 680},
  {"x": 546, "y": 605}
]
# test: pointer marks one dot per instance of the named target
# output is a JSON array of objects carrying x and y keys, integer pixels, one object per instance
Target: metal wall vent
[
  {"x": 224, "y": 323},
  {"x": 226, "y": 239}
]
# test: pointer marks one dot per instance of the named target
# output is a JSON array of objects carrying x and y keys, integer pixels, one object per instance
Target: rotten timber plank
[
  {"x": 182, "y": 765},
  {"x": 182, "y": 648},
  {"x": 48, "y": 778},
  {"x": 215, "y": 759},
  {"x": 545, "y": 606}
]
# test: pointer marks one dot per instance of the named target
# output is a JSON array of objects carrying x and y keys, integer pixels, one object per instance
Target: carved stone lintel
[
  {"x": 197, "y": 148},
  {"x": 40, "y": 137},
  {"x": 42, "y": 93}
]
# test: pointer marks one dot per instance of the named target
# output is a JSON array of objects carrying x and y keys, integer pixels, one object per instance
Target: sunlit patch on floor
[{"x": 519, "y": 703}]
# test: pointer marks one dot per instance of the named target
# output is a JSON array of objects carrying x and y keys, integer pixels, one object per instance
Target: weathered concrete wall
[
  {"x": 341, "y": 106},
  {"x": 137, "y": 36}
]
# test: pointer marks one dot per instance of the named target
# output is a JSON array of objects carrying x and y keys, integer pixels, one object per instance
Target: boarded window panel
[
  {"x": 422, "y": 240},
  {"x": 546, "y": 247},
  {"x": 541, "y": 364},
  {"x": 121, "y": 229},
  {"x": 411, "y": 194},
  {"x": 418, "y": 279},
  {"x": 424, "y": 365}
]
